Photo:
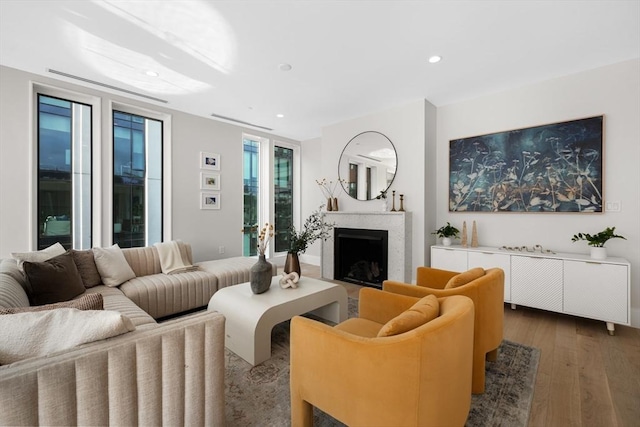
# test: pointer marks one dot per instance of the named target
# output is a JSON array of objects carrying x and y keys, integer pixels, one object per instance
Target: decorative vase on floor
[
  {"x": 260, "y": 275},
  {"x": 292, "y": 263},
  {"x": 598, "y": 252}
]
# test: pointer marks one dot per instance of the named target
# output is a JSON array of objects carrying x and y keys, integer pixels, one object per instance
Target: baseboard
[
  {"x": 635, "y": 317},
  {"x": 310, "y": 259}
]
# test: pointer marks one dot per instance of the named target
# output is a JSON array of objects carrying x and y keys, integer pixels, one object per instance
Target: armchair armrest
[{"x": 433, "y": 277}]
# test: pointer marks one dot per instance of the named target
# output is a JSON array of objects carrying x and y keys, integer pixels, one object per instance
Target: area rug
[{"x": 259, "y": 395}]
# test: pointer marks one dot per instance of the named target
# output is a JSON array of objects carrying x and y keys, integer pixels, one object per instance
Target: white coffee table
[{"x": 250, "y": 317}]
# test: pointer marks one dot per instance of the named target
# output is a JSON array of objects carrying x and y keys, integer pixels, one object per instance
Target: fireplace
[{"x": 360, "y": 256}]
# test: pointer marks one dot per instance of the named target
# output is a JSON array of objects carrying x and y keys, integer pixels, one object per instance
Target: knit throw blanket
[{"x": 171, "y": 259}]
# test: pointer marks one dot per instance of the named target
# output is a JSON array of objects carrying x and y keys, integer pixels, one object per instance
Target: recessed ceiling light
[
  {"x": 152, "y": 73},
  {"x": 279, "y": 116},
  {"x": 435, "y": 58},
  {"x": 285, "y": 67}
]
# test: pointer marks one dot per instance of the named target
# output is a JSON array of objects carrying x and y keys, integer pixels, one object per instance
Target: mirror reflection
[{"x": 367, "y": 165}]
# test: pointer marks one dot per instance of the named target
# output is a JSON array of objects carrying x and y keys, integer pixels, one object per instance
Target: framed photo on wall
[
  {"x": 209, "y": 181},
  {"x": 549, "y": 168},
  {"x": 209, "y": 200},
  {"x": 209, "y": 161}
]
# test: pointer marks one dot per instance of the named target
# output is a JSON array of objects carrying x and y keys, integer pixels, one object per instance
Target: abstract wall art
[{"x": 550, "y": 168}]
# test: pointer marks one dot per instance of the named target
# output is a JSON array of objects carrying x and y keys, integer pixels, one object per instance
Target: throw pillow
[
  {"x": 112, "y": 265},
  {"x": 86, "y": 302},
  {"x": 464, "y": 278},
  {"x": 54, "y": 280},
  {"x": 25, "y": 335},
  {"x": 423, "y": 311},
  {"x": 87, "y": 268},
  {"x": 38, "y": 256}
]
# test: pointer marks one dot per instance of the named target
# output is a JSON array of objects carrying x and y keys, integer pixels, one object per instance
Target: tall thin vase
[
  {"x": 335, "y": 204},
  {"x": 260, "y": 275},
  {"x": 329, "y": 204}
]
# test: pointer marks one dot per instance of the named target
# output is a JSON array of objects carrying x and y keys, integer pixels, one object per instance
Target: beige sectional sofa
[{"x": 167, "y": 373}]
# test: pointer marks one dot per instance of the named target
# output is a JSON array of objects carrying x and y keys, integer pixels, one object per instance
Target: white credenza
[{"x": 562, "y": 282}]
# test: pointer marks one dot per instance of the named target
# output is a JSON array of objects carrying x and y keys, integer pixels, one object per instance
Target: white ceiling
[{"x": 349, "y": 58}]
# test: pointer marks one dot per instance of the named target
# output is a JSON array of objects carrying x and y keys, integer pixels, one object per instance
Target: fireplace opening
[{"x": 360, "y": 256}]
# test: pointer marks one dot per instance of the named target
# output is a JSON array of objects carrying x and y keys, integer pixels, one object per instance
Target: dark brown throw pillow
[
  {"x": 85, "y": 302},
  {"x": 87, "y": 268},
  {"x": 54, "y": 280}
]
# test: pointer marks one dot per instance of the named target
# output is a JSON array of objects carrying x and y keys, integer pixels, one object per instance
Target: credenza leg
[
  {"x": 513, "y": 306},
  {"x": 611, "y": 327}
]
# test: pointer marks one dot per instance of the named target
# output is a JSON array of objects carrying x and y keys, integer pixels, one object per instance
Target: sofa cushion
[
  {"x": 87, "y": 267},
  {"x": 113, "y": 267},
  {"x": 423, "y": 311},
  {"x": 13, "y": 286},
  {"x": 39, "y": 256},
  {"x": 162, "y": 295},
  {"x": 54, "y": 280},
  {"x": 35, "y": 334},
  {"x": 231, "y": 271},
  {"x": 85, "y": 302},
  {"x": 464, "y": 278},
  {"x": 115, "y": 300}
]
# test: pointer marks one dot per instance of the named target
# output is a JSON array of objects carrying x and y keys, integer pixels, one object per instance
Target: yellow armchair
[
  {"x": 487, "y": 293},
  {"x": 417, "y": 378}
]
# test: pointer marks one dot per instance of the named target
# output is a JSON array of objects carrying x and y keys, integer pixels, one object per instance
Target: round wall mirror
[{"x": 367, "y": 165}]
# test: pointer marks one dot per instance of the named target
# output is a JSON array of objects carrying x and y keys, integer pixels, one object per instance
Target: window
[
  {"x": 251, "y": 182},
  {"x": 283, "y": 196},
  {"x": 265, "y": 202},
  {"x": 64, "y": 172},
  {"x": 137, "y": 180}
]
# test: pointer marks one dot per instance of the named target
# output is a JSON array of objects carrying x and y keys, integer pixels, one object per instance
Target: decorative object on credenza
[
  {"x": 289, "y": 280},
  {"x": 474, "y": 235},
  {"x": 401, "y": 203},
  {"x": 393, "y": 201},
  {"x": 315, "y": 227},
  {"x": 446, "y": 232},
  {"x": 534, "y": 248},
  {"x": 328, "y": 189},
  {"x": 597, "y": 241},
  {"x": 383, "y": 196},
  {"x": 464, "y": 242},
  {"x": 261, "y": 272},
  {"x": 549, "y": 168}
]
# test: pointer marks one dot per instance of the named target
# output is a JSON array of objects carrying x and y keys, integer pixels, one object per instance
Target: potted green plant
[
  {"x": 597, "y": 241},
  {"x": 314, "y": 228},
  {"x": 446, "y": 232}
]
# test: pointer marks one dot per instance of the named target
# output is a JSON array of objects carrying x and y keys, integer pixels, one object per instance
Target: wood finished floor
[{"x": 586, "y": 378}]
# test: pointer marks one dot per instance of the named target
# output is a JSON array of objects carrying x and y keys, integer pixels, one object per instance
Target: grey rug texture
[{"x": 259, "y": 395}]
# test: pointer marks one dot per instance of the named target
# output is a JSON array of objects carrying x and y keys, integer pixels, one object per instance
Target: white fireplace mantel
[{"x": 398, "y": 225}]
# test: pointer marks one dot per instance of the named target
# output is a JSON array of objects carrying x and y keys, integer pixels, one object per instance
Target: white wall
[
  {"x": 406, "y": 127},
  {"x": 613, "y": 91},
  {"x": 310, "y": 195},
  {"x": 206, "y": 230}
]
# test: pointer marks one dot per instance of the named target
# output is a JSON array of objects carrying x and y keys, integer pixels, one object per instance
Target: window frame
[
  {"x": 107, "y": 195},
  {"x": 266, "y": 212},
  {"x": 96, "y": 159}
]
